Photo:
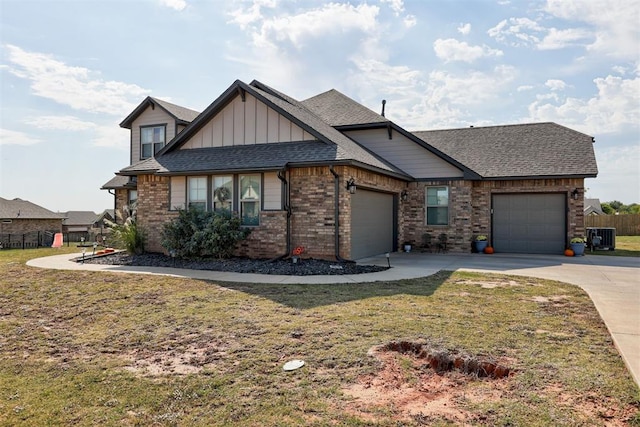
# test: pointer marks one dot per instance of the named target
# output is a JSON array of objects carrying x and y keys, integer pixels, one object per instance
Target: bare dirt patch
[
  {"x": 426, "y": 384},
  {"x": 423, "y": 385}
]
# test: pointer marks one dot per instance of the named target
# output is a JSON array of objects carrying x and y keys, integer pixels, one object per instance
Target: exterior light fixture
[
  {"x": 574, "y": 194},
  {"x": 404, "y": 196},
  {"x": 351, "y": 186}
]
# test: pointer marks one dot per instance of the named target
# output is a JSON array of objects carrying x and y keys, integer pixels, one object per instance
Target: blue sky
[{"x": 71, "y": 71}]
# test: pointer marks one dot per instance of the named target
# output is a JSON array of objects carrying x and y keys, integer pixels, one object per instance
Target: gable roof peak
[
  {"x": 337, "y": 109},
  {"x": 179, "y": 113}
]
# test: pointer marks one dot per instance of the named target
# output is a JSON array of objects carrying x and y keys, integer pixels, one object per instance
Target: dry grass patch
[{"x": 83, "y": 348}]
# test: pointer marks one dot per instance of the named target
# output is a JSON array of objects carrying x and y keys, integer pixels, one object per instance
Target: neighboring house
[
  {"x": 25, "y": 224},
  {"x": 345, "y": 182},
  {"x": 592, "y": 207},
  {"x": 78, "y": 221}
]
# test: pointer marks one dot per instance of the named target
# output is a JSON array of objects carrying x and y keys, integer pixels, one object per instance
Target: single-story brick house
[
  {"x": 345, "y": 182},
  {"x": 24, "y": 224}
]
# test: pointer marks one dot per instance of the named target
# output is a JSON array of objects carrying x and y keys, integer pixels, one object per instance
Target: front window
[
  {"x": 250, "y": 199},
  {"x": 437, "y": 205},
  {"x": 151, "y": 140},
  {"x": 223, "y": 194},
  {"x": 133, "y": 197},
  {"x": 197, "y": 192}
]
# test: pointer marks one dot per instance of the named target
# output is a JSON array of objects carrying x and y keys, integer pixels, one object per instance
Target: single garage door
[
  {"x": 372, "y": 223},
  {"x": 529, "y": 223}
]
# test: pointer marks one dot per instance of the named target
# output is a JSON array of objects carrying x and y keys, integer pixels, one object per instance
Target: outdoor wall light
[
  {"x": 404, "y": 196},
  {"x": 351, "y": 186},
  {"x": 574, "y": 194}
]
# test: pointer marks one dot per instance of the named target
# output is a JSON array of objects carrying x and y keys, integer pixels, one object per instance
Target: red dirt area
[{"x": 426, "y": 385}]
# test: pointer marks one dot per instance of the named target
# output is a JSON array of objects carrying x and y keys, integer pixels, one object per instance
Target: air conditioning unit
[{"x": 601, "y": 238}]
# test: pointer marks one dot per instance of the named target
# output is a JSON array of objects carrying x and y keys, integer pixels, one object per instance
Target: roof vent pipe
[{"x": 384, "y": 101}]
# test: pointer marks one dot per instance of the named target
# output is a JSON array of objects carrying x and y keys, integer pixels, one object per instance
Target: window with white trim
[
  {"x": 223, "y": 194},
  {"x": 133, "y": 197},
  {"x": 250, "y": 193},
  {"x": 152, "y": 139},
  {"x": 437, "y": 205},
  {"x": 197, "y": 192}
]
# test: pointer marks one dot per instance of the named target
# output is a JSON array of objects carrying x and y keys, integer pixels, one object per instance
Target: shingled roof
[
  {"x": 339, "y": 148},
  {"x": 24, "y": 209},
  {"x": 181, "y": 114},
  {"x": 337, "y": 109},
  {"x": 518, "y": 151}
]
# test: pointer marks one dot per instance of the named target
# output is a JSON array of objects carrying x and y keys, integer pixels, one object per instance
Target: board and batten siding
[
  {"x": 246, "y": 123},
  {"x": 272, "y": 192},
  {"x": 407, "y": 155},
  {"x": 178, "y": 189},
  {"x": 149, "y": 117}
]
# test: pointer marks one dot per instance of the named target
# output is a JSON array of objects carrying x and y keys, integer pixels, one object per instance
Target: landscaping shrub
[
  {"x": 128, "y": 234},
  {"x": 196, "y": 233}
]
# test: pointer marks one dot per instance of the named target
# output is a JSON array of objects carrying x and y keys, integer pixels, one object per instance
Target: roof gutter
[{"x": 282, "y": 176}]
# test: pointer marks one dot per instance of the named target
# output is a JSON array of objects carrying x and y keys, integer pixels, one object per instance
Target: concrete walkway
[{"x": 613, "y": 283}]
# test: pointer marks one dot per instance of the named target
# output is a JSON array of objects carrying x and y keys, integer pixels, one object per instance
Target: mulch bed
[{"x": 304, "y": 267}]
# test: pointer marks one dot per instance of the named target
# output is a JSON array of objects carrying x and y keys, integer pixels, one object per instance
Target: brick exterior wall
[
  {"x": 312, "y": 198},
  {"x": 153, "y": 209},
  {"x": 470, "y": 208},
  {"x": 27, "y": 232}
]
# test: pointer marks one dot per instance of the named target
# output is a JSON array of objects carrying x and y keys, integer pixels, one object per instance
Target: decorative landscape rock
[{"x": 304, "y": 267}]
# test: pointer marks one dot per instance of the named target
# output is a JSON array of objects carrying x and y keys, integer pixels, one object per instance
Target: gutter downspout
[
  {"x": 282, "y": 177},
  {"x": 337, "y": 216}
]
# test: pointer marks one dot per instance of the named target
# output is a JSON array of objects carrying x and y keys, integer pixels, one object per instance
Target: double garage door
[
  {"x": 529, "y": 223},
  {"x": 372, "y": 223}
]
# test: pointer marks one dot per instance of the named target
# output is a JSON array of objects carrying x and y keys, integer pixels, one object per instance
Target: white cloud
[
  {"x": 410, "y": 21},
  {"x": 614, "y": 108},
  {"x": 614, "y": 23},
  {"x": 454, "y": 50},
  {"x": 243, "y": 17},
  {"x": 396, "y": 5},
  {"x": 521, "y": 32},
  {"x": 524, "y": 87},
  {"x": 464, "y": 29},
  {"x": 620, "y": 69},
  {"x": 331, "y": 18},
  {"x": 559, "y": 39},
  {"x": 10, "y": 137},
  {"x": 555, "y": 84},
  {"x": 76, "y": 87},
  {"x": 70, "y": 123},
  {"x": 178, "y": 5}
]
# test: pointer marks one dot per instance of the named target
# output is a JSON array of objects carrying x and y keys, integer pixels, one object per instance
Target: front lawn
[{"x": 83, "y": 348}]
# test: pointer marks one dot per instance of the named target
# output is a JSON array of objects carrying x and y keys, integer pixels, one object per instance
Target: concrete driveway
[{"x": 613, "y": 283}]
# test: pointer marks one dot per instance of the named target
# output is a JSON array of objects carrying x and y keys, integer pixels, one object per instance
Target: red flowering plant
[{"x": 298, "y": 251}]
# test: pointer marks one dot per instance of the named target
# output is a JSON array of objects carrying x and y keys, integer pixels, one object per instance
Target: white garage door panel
[
  {"x": 529, "y": 223},
  {"x": 371, "y": 223}
]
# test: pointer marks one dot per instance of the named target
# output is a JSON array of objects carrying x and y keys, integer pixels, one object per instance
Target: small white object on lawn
[{"x": 292, "y": 365}]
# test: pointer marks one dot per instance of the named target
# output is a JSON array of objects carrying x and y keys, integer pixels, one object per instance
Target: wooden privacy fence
[{"x": 625, "y": 225}]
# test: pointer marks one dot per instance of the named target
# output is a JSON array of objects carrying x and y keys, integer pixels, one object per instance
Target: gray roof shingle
[
  {"x": 23, "y": 209},
  {"x": 79, "y": 218},
  {"x": 240, "y": 157},
  {"x": 118, "y": 182},
  {"x": 338, "y": 109},
  {"x": 512, "y": 151},
  {"x": 182, "y": 114}
]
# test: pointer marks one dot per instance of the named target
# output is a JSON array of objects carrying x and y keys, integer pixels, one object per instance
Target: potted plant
[
  {"x": 481, "y": 243},
  {"x": 577, "y": 246}
]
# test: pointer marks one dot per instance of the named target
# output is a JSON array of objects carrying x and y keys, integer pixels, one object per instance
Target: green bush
[{"x": 197, "y": 233}]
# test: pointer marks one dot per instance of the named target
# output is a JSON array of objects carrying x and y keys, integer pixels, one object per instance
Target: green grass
[
  {"x": 84, "y": 348},
  {"x": 626, "y": 246}
]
